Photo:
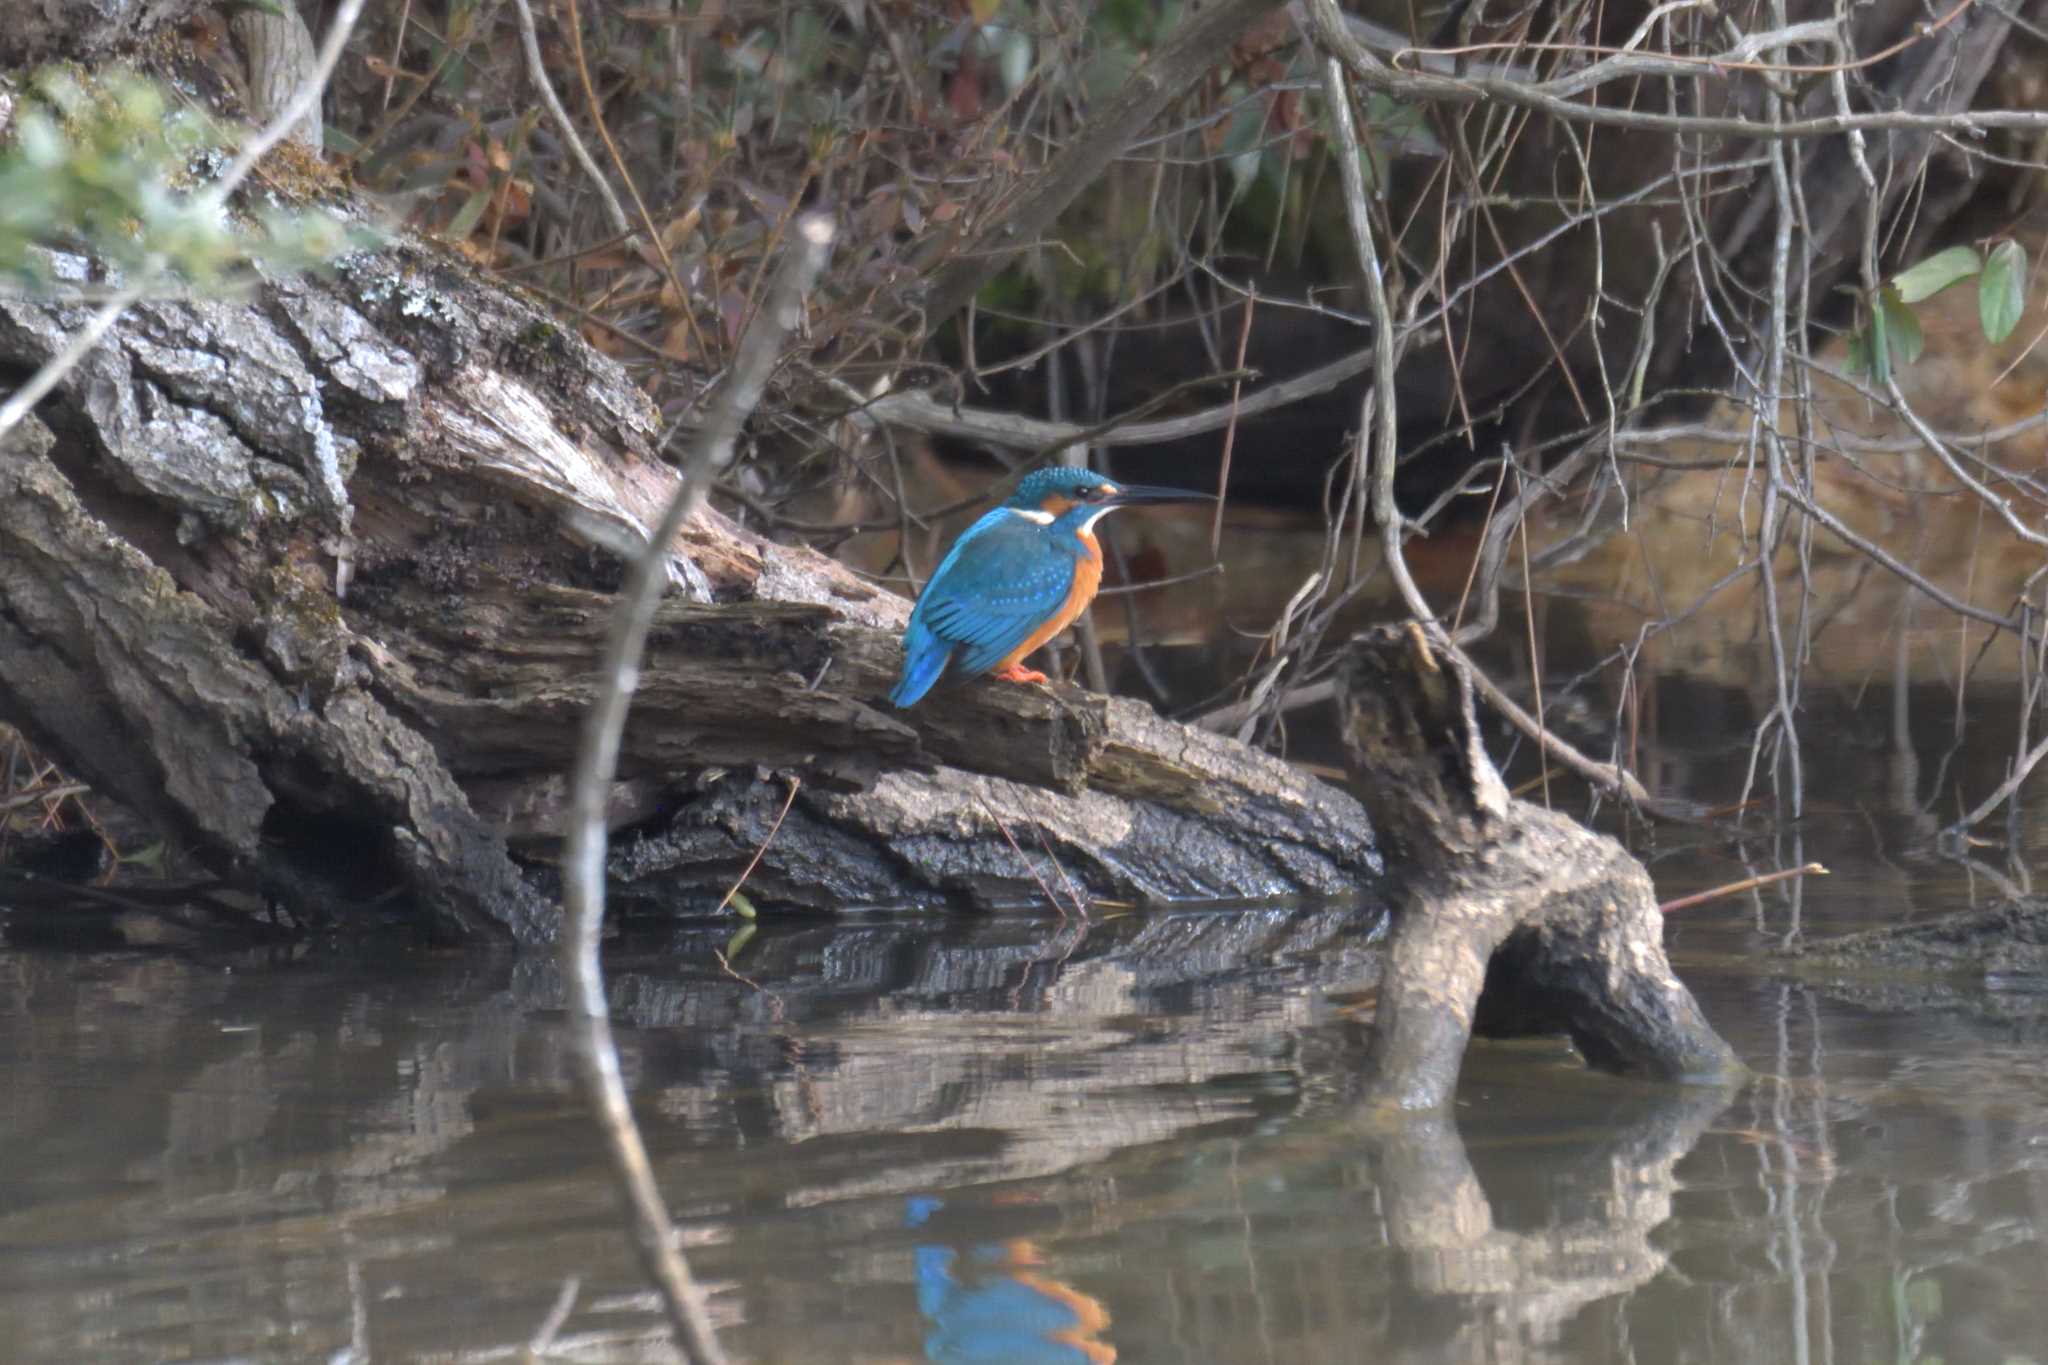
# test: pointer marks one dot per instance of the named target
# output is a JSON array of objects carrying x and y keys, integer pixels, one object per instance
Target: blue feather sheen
[{"x": 993, "y": 589}]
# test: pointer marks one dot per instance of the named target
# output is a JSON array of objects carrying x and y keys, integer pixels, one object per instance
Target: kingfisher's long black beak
[{"x": 1128, "y": 494}]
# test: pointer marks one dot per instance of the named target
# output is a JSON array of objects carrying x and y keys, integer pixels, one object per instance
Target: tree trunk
[{"x": 1515, "y": 920}]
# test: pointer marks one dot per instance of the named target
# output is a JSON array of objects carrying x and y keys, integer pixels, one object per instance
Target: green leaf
[
  {"x": 466, "y": 218},
  {"x": 741, "y": 906},
  {"x": 1936, "y": 273},
  {"x": 2002, "y": 290},
  {"x": 1902, "y": 329},
  {"x": 1859, "y": 352},
  {"x": 1877, "y": 349}
]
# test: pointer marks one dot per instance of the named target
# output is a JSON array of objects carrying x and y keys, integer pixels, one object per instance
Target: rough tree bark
[{"x": 175, "y": 531}]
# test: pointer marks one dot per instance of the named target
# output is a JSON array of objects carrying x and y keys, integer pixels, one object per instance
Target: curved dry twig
[
  {"x": 597, "y": 761},
  {"x": 1326, "y": 21},
  {"x": 1557, "y": 98}
]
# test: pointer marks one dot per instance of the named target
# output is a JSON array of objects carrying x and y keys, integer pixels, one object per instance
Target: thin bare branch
[
  {"x": 920, "y": 411},
  {"x": 795, "y": 783},
  {"x": 1327, "y": 23},
  {"x": 1200, "y": 41},
  {"x": 537, "y": 71},
  {"x": 1737, "y": 888},
  {"x": 1556, "y": 98},
  {"x": 597, "y": 761}
]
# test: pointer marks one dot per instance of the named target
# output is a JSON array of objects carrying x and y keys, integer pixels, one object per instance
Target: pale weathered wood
[
  {"x": 1513, "y": 919},
  {"x": 173, "y": 542},
  {"x": 278, "y": 51}
]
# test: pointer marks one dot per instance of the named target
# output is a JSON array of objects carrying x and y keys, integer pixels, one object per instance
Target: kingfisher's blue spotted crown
[{"x": 1061, "y": 481}]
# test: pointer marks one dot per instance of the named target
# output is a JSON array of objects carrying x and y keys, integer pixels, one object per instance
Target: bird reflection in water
[{"x": 1002, "y": 1311}]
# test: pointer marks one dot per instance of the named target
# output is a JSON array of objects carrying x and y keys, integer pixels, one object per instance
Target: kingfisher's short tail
[{"x": 925, "y": 657}]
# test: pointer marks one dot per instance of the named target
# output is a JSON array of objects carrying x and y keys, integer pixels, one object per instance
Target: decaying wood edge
[
  {"x": 1514, "y": 919},
  {"x": 115, "y": 669},
  {"x": 277, "y": 49}
]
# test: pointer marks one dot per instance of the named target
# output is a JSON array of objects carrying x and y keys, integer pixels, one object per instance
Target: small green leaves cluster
[
  {"x": 111, "y": 170},
  {"x": 1892, "y": 337}
]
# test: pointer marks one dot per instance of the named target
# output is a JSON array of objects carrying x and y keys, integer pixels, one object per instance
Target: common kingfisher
[{"x": 1015, "y": 579}]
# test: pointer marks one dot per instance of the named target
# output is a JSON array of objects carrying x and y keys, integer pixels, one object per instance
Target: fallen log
[
  {"x": 174, "y": 536},
  {"x": 315, "y": 582},
  {"x": 1514, "y": 919}
]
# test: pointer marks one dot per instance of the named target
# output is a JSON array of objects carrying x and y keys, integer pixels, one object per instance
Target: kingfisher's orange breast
[{"x": 1087, "y": 579}]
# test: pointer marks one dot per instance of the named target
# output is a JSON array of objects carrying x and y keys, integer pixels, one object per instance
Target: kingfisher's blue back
[
  {"x": 1003, "y": 579},
  {"x": 1015, "y": 579}
]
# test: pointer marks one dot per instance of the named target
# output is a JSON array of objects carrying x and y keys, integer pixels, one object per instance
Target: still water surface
[
  {"x": 921, "y": 1141},
  {"x": 1011, "y": 1140}
]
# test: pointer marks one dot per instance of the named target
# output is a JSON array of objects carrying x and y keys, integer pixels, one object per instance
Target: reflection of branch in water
[
  {"x": 1596, "y": 1242},
  {"x": 1470, "y": 1277}
]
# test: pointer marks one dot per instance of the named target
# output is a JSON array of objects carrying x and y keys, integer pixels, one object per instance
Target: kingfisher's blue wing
[{"x": 1002, "y": 580}]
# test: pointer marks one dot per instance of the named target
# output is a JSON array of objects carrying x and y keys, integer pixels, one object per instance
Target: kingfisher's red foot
[{"x": 1019, "y": 673}]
